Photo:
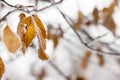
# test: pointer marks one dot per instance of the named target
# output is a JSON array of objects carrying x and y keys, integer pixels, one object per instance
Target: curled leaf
[
  {"x": 41, "y": 37},
  {"x": 11, "y": 40},
  {"x": 40, "y": 25}
]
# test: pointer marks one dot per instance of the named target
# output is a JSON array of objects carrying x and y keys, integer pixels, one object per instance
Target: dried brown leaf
[
  {"x": 2, "y": 68},
  {"x": 109, "y": 23},
  {"x": 11, "y": 40},
  {"x": 55, "y": 40},
  {"x": 42, "y": 41},
  {"x": 101, "y": 59},
  {"x": 78, "y": 23},
  {"x": 40, "y": 25},
  {"x": 84, "y": 63},
  {"x": 88, "y": 54},
  {"x": 54, "y": 36},
  {"x": 42, "y": 74},
  {"x": 108, "y": 20},
  {"x": 81, "y": 78},
  {"x": 95, "y": 15},
  {"x": 42, "y": 55},
  {"x": 109, "y": 11}
]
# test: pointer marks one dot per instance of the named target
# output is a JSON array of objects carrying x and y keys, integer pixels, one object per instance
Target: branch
[
  {"x": 3, "y": 18},
  {"x": 58, "y": 70},
  {"x": 92, "y": 39},
  {"x": 80, "y": 38},
  {"x": 53, "y": 4},
  {"x": 7, "y": 3},
  {"x": 23, "y": 8}
]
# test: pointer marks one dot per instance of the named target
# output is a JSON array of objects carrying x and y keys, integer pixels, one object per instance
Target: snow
[{"x": 20, "y": 67}]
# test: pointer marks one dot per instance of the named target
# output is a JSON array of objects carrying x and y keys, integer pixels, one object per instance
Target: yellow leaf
[
  {"x": 11, "y": 40},
  {"x": 42, "y": 55},
  {"x": 25, "y": 31},
  {"x": 28, "y": 30},
  {"x": 2, "y": 68},
  {"x": 29, "y": 35},
  {"x": 21, "y": 30}
]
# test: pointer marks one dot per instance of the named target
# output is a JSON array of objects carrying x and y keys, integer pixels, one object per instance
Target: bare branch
[
  {"x": 7, "y": 3},
  {"x": 53, "y": 4},
  {"x": 58, "y": 70},
  {"x": 80, "y": 38},
  {"x": 4, "y": 17},
  {"x": 23, "y": 8}
]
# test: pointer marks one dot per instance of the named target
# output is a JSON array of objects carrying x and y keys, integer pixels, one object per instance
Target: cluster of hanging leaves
[
  {"x": 104, "y": 15},
  {"x": 54, "y": 34},
  {"x": 27, "y": 29},
  {"x": 108, "y": 21},
  {"x": 85, "y": 60}
]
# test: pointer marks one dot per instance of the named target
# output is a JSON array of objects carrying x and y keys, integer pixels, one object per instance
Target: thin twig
[
  {"x": 59, "y": 71},
  {"x": 53, "y": 4},
  {"x": 20, "y": 7},
  {"x": 7, "y": 3},
  {"x": 3, "y": 18}
]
